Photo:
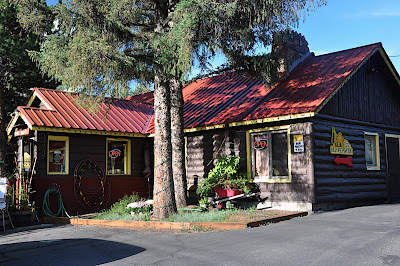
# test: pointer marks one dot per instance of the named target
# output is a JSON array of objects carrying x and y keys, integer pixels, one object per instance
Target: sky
[{"x": 345, "y": 24}]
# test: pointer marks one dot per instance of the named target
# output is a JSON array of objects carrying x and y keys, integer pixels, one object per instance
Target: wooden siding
[
  {"x": 341, "y": 185},
  {"x": 371, "y": 95},
  {"x": 120, "y": 185},
  {"x": 86, "y": 147}
]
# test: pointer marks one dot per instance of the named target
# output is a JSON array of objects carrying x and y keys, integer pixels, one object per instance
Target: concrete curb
[{"x": 172, "y": 225}]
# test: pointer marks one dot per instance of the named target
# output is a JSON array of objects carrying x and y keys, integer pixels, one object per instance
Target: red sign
[
  {"x": 115, "y": 153},
  {"x": 346, "y": 160},
  {"x": 260, "y": 144}
]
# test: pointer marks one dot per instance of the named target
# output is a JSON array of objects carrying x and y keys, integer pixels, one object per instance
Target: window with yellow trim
[
  {"x": 57, "y": 155},
  {"x": 270, "y": 155},
  {"x": 372, "y": 157},
  {"x": 118, "y": 156}
]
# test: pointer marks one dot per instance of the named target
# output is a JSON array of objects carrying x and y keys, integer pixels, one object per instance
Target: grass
[{"x": 118, "y": 211}]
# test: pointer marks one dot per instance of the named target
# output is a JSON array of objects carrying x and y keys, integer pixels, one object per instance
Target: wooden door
[{"x": 393, "y": 168}]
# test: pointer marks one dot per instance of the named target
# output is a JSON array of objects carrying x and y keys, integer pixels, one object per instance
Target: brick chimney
[{"x": 291, "y": 48}]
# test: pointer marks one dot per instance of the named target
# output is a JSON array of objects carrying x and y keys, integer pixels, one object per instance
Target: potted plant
[{"x": 226, "y": 179}]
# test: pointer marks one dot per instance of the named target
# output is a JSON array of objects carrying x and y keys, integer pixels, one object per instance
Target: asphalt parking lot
[{"x": 357, "y": 236}]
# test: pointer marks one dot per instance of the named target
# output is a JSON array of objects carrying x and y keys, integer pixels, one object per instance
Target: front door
[{"x": 393, "y": 167}]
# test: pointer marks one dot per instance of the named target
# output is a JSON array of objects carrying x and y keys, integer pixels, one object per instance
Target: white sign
[
  {"x": 299, "y": 146},
  {"x": 3, "y": 187}
]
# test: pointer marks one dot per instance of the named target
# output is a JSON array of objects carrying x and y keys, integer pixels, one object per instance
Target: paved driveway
[{"x": 358, "y": 236}]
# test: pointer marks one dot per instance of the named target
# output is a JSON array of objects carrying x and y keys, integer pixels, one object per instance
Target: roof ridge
[{"x": 349, "y": 49}]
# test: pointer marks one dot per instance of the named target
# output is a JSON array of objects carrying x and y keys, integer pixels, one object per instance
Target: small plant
[
  {"x": 204, "y": 203},
  {"x": 225, "y": 174}
]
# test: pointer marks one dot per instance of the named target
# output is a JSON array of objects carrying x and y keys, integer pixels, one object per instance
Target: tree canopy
[
  {"x": 17, "y": 71},
  {"x": 96, "y": 46}
]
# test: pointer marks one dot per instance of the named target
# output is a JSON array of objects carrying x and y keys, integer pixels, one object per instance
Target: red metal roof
[
  {"x": 119, "y": 116},
  {"x": 231, "y": 97},
  {"x": 215, "y": 100}
]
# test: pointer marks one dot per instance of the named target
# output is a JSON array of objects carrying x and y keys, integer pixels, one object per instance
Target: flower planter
[{"x": 227, "y": 192}]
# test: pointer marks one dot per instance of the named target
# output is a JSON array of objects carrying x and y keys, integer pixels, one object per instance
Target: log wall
[{"x": 340, "y": 186}]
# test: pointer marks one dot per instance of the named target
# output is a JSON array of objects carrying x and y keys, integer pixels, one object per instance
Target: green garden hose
[{"x": 46, "y": 204}]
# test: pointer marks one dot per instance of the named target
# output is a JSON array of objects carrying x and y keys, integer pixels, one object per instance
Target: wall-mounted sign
[
  {"x": 340, "y": 145},
  {"x": 298, "y": 143},
  {"x": 21, "y": 132},
  {"x": 346, "y": 160},
  {"x": 115, "y": 153},
  {"x": 260, "y": 144}
]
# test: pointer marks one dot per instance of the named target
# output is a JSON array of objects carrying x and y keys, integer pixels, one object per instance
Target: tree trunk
[
  {"x": 164, "y": 197},
  {"x": 178, "y": 143}
]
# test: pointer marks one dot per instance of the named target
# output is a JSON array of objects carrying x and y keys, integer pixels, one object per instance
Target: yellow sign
[
  {"x": 340, "y": 145},
  {"x": 297, "y": 138},
  {"x": 27, "y": 161}
]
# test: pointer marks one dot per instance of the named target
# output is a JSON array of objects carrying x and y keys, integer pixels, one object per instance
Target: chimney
[{"x": 291, "y": 48}]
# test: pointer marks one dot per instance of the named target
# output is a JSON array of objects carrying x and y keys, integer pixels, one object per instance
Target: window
[
  {"x": 270, "y": 153},
  {"x": 118, "y": 157},
  {"x": 57, "y": 155},
  {"x": 372, "y": 151}
]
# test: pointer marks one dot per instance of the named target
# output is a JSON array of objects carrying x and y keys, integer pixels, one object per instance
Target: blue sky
[{"x": 344, "y": 24}]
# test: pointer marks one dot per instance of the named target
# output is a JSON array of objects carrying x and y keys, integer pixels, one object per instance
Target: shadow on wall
[{"x": 80, "y": 251}]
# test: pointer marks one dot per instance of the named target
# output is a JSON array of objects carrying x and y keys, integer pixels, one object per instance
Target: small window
[
  {"x": 270, "y": 155},
  {"x": 118, "y": 157},
  {"x": 57, "y": 155},
  {"x": 372, "y": 151}
]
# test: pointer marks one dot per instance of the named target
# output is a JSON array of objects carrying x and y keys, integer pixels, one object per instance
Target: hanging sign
[
  {"x": 27, "y": 161},
  {"x": 340, "y": 145},
  {"x": 298, "y": 143},
  {"x": 115, "y": 153},
  {"x": 260, "y": 144},
  {"x": 21, "y": 132}
]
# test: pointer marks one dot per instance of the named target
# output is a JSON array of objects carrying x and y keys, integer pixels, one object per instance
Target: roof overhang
[{"x": 89, "y": 132}]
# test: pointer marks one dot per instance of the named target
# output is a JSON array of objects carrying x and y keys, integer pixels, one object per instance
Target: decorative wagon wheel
[{"x": 92, "y": 199}]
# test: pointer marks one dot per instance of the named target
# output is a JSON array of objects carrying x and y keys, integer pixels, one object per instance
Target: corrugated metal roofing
[
  {"x": 232, "y": 98},
  {"x": 119, "y": 116},
  {"x": 215, "y": 100}
]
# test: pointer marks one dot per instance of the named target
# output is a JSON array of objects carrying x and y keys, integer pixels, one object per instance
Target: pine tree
[
  {"x": 18, "y": 73},
  {"x": 95, "y": 46}
]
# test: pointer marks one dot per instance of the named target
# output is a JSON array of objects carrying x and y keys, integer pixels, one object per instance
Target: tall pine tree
[
  {"x": 18, "y": 73},
  {"x": 97, "y": 45}
]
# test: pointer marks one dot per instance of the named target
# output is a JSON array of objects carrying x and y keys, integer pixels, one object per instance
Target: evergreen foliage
[
  {"x": 17, "y": 71},
  {"x": 99, "y": 46}
]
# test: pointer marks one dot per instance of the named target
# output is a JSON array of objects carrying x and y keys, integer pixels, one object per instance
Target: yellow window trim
[
  {"x": 378, "y": 158},
  {"x": 127, "y": 165},
  {"x": 59, "y": 138},
  {"x": 248, "y": 149}
]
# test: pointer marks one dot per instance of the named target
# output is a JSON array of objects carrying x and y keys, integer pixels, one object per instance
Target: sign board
[
  {"x": 340, "y": 145},
  {"x": 298, "y": 143},
  {"x": 3, "y": 190},
  {"x": 260, "y": 144},
  {"x": 21, "y": 132}
]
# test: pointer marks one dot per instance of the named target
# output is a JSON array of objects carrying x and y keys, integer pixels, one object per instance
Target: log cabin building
[{"x": 325, "y": 136}]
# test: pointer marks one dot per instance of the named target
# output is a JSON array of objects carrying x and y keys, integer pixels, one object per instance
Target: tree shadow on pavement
[{"x": 79, "y": 251}]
